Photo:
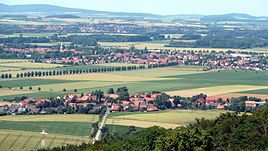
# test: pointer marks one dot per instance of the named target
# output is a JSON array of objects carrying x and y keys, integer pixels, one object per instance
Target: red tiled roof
[
  {"x": 115, "y": 107},
  {"x": 41, "y": 100},
  {"x": 250, "y": 103},
  {"x": 211, "y": 99},
  {"x": 153, "y": 108},
  {"x": 114, "y": 96},
  {"x": 200, "y": 100}
]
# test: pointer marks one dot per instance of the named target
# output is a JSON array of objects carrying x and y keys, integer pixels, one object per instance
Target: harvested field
[
  {"x": 4, "y": 92},
  {"x": 167, "y": 119},
  {"x": 31, "y": 65},
  {"x": 158, "y": 46},
  {"x": 143, "y": 124},
  {"x": 217, "y": 90},
  {"x": 236, "y": 95},
  {"x": 103, "y": 77},
  {"x": 53, "y": 117}
]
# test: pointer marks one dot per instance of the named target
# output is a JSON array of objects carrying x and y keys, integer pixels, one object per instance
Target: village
[
  {"x": 212, "y": 60},
  {"x": 122, "y": 101}
]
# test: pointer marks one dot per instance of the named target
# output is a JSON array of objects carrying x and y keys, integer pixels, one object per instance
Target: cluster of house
[
  {"x": 39, "y": 50},
  {"x": 32, "y": 106},
  {"x": 138, "y": 102},
  {"x": 217, "y": 60},
  {"x": 223, "y": 103},
  {"x": 104, "y": 27},
  {"x": 30, "y": 50}
]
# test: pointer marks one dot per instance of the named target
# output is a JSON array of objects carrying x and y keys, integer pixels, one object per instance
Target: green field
[
  {"x": 260, "y": 91},
  {"x": 23, "y": 132},
  {"x": 182, "y": 80},
  {"x": 50, "y": 44},
  {"x": 21, "y": 140}
]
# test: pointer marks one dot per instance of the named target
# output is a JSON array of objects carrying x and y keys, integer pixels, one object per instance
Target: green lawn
[{"x": 226, "y": 78}]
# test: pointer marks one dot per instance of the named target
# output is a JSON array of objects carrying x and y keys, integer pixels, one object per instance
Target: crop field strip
[
  {"x": 19, "y": 140},
  {"x": 27, "y": 141},
  {"x": 153, "y": 46},
  {"x": 163, "y": 79},
  {"x": 167, "y": 119},
  {"x": 68, "y": 129}
]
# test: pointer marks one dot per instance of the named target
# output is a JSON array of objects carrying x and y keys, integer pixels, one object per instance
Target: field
[
  {"x": 21, "y": 66},
  {"x": 217, "y": 90},
  {"x": 177, "y": 80},
  {"x": 20, "y": 140},
  {"x": 161, "y": 45},
  {"x": 167, "y": 119},
  {"x": 31, "y": 65},
  {"x": 18, "y": 132},
  {"x": 50, "y": 44},
  {"x": 23, "y": 132}
]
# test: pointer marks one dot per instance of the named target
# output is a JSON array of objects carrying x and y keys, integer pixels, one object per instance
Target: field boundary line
[
  {"x": 4, "y": 139},
  {"x": 77, "y": 141},
  {"x": 51, "y": 142},
  {"x": 37, "y": 144},
  {"x": 27, "y": 141},
  {"x": 64, "y": 141},
  {"x": 13, "y": 143}
]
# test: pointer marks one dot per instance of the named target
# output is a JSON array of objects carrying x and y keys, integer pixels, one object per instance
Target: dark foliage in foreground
[{"x": 230, "y": 131}]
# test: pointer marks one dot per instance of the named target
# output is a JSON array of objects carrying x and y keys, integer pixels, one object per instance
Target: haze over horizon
[{"x": 161, "y": 7}]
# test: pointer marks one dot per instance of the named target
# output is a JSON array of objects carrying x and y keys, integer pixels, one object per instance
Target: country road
[{"x": 98, "y": 135}]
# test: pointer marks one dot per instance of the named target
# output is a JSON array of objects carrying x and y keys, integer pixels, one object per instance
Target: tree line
[
  {"x": 81, "y": 71},
  {"x": 86, "y": 40},
  {"x": 76, "y": 71},
  {"x": 219, "y": 38}
]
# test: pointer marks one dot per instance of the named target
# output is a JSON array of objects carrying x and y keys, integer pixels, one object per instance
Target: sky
[{"x": 161, "y": 7}]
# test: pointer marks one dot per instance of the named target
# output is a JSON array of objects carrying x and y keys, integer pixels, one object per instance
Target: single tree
[{"x": 110, "y": 91}]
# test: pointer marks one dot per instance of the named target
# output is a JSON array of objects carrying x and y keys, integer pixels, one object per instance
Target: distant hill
[
  {"x": 63, "y": 16},
  {"x": 64, "y": 12},
  {"x": 14, "y": 16},
  {"x": 57, "y": 10},
  {"x": 233, "y": 17}
]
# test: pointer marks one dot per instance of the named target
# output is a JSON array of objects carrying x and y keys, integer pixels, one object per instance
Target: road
[{"x": 98, "y": 135}]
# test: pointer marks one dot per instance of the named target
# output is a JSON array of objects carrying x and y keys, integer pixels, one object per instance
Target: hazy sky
[{"x": 253, "y": 7}]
